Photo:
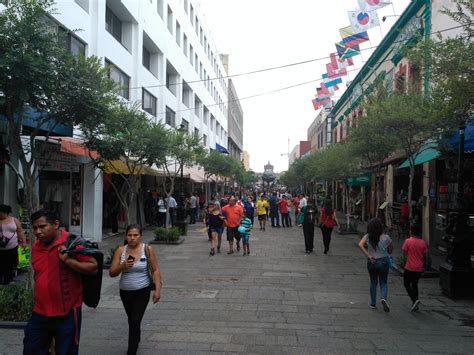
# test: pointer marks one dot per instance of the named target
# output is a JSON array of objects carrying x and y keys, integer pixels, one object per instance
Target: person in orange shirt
[{"x": 233, "y": 213}]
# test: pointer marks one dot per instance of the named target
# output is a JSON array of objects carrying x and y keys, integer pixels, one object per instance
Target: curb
[
  {"x": 174, "y": 242},
  {"x": 12, "y": 325}
]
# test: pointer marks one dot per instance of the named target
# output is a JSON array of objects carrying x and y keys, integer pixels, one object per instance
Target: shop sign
[{"x": 49, "y": 158}]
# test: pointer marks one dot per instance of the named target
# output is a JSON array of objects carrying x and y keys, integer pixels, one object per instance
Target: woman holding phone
[{"x": 133, "y": 261}]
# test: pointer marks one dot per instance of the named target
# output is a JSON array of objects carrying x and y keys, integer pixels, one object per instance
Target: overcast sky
[{"x": 258, "y": 34}]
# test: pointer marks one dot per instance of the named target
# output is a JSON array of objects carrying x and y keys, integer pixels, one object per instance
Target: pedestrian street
[{"x": 277, "y": 300}]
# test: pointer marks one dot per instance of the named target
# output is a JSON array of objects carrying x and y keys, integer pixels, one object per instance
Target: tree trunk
[{"x": 410, "y": 191}]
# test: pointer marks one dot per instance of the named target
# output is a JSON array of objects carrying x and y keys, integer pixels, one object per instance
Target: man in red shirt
[
  {"x": 233, "y": 213},
  {"x": 283, "y": 207},
  {"x": 58, "y": 289}
]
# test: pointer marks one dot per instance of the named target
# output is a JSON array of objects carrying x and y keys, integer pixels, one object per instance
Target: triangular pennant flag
[{"x": 363, "y": 20}]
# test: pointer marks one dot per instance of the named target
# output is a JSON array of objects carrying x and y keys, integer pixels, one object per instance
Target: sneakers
[
  {"x": 415, "y": 306},
  {"x": 212, "y": 252},
  {"x": 372, "y": 306},
  {"x": 230, "y": 252},
  {"x": 385, "y": 306}
]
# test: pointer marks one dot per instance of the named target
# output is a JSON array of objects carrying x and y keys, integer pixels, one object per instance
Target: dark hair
[
  {"x": 5, "y": 209},
  {"x": 50, "y": 216},
  {"x": 134, "y": 226},
  {"x": 328, "y": 206},
  {"x": 374, "y": 230},
  {"x": 416, "y": 230}
]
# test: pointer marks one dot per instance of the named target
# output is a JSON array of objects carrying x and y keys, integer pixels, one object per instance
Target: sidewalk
[{"x": 277, "y": 300}]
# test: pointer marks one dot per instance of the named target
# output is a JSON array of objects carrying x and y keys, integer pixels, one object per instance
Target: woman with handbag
[
  {"x": 140, "y": 273},
  {"x": 377, "y": 247},
  {"x": 327, "y": 220},
  {"x": 10, "y": 234}
]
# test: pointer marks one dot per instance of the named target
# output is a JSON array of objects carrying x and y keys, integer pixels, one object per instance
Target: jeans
[
  {"x": 378, "y": 272},
  {"x": 326, "y": 237},
  {"x": 410, "y": 281},
  {"x": 274, "y": 216},
  {"x": 194, "y": 215},
  {"x": 285, "y": 220},
  {"x": 135, "y": 303},
  {"x": 65, "y": 330},
  {"x": 308, "y": 231}
]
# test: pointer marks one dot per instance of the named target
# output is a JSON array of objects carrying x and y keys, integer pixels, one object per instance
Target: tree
[
  {"x": 40, "y": 80},
  {"x": 372, "y": 142},
  {"x": 123, "y": 140},
  {"x": 217, "y": 164},
  {"x": 179, "y": 150}
]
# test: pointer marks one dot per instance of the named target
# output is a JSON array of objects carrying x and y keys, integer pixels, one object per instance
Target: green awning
[
  {"x": 427, "y": 152},
  {"x": 363, "y": 180}
]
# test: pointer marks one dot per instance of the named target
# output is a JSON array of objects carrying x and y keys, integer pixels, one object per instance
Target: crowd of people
[{"x": 58, "y": 285}]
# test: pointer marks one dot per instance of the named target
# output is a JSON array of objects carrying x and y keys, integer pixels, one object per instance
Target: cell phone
[{"x": 131, "y": 258}]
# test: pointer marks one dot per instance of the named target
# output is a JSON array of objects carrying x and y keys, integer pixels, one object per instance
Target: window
[
  {"x": 149, "y": 103},
  {"x": 159, "y": 7},
  {"x": 185, "y": 45},
  {"x": 146, "y": 60},
  {"x": 204, "y": 140},
  {"x": 113, "y": 24},
  {"x": 170, "y": 20},
  {"x": 191, "y": 55},
  {"x": 201, "y": 39},
  {"x": 196, "y": 26},
  {"x": 172, "y": 77},
  {"x": 196, "y": 63},
  {"x": 186, "y": 94},
  {"x": 197, "y": 106},
  {"x": 196, "y": 131},
  {"x": 119, "y": 77},
  {"x": 191, "y": 14},
  {"x": 185, "y": 4},
  {"x": 185, "y": 124},
  {"x": 71, "y": 42},
  {"x": 178, "y": 33},
  {"x": 170, "y": 116},
  {"x": 213, "y": 120}
]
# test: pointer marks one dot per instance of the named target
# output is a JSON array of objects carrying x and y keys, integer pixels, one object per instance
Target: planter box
[
  {"x": 172, "y": 242},
  {"x": 12, "y": 324}
]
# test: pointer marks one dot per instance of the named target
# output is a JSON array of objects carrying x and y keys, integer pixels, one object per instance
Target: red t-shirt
[
  {"x": 415, "y": 249},
  {"x": 58, "y": 288},
  {"x": 233, "y": 215},
  {"x": 327, "y": 220},
  {"x": 296, "y": 203},
  {"x": 283, "y": 206}
]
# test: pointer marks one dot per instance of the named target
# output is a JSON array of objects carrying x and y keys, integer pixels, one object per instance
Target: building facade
[{"x": 161, "y": 55}]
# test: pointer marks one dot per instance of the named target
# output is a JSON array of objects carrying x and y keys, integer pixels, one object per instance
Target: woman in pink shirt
[{"x": 415, "y": 249}]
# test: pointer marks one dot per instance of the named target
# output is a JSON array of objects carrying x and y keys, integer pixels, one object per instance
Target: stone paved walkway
[{"x": 276, "y": 301}]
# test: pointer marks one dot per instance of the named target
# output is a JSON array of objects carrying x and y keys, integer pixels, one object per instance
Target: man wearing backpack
[{"x": 58, "y": 289}]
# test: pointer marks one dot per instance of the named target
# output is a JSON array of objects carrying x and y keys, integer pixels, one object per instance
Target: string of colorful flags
[{"x": 352, "y": 36}]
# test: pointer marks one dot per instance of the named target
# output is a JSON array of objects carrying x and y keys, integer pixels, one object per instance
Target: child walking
[
  {"x": 415, "y": 250},
  {"x": 244, "y": 229}
]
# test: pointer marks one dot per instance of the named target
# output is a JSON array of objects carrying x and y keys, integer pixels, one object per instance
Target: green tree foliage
[
  {"x": 38, "y": 75},
  {"x": 123, "y": 139}
]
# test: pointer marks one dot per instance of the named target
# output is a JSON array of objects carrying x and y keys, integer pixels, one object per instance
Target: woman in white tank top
[{"x": 132, "y": 261}]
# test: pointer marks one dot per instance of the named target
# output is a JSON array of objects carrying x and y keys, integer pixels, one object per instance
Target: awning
[
  {"x": 75, "y": 147},
  {"x": 426, "y": 153},
  {"x": 468, "y": 139},
  {"x": 221, "y": 149},
  {"x": 362, "y": 180},
  {"x": 120, "y": 167}
]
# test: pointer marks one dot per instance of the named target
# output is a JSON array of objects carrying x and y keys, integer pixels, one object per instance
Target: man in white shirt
[
  {"x": 303, "y": 202},
  {"x": 172, "y": 205},
  {"x": 194, "y": 204}
]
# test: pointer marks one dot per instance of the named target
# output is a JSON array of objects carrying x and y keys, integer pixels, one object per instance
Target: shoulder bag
[{"x": 149, "y": 267}]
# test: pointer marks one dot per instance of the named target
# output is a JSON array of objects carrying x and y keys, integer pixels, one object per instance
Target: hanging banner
[
  {"x": 371, "y": 5},
  {"x": 363, "y": 20}
]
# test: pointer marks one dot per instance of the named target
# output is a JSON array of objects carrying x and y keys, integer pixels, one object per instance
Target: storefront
[{"x": 68, "y": 185}]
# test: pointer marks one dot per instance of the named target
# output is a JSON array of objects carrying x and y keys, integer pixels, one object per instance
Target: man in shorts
[
  {"x": 262, "y": 206},
  {"x": 233, "y": 213}
]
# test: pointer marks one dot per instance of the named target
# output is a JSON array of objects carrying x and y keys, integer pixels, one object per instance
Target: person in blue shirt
[
  {"x": 244, "y": 229},
  {"x": 249, "y": 207}
]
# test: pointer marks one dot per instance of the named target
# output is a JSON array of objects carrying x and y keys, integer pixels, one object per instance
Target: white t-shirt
[
  {"x": 172, "y": 202},
  {"x": 303, "y": 203}
]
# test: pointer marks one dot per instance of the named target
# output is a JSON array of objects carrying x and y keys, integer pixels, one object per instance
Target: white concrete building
[{"x": 161, "y": 54}]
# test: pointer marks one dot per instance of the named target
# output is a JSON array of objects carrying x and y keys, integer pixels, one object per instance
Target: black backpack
[{"x": 91, "y": 284}]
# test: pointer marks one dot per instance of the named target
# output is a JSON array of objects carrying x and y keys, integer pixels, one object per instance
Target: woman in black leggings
[
  {"x": 327, "y": 220},
  {"x": 133, "y": 261}
]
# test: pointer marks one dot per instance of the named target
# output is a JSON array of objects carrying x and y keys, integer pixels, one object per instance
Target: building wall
[
  {"x": 143, "y": 26},
  {"x": 246, "y": 160},
  {"x": 305, "y": 147},
  {"x": 236, "y": 122},
  {"x": 295, "y": 154}
]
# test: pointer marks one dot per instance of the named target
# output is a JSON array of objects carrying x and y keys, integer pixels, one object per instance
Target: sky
[{"x": 259, "y": 34}]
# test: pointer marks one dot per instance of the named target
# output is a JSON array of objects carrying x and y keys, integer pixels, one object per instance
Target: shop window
[
  {"x": 120, "y": 78},
  {"x": 170, "y": 117},
  {"x": 149, "y": 102}
]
